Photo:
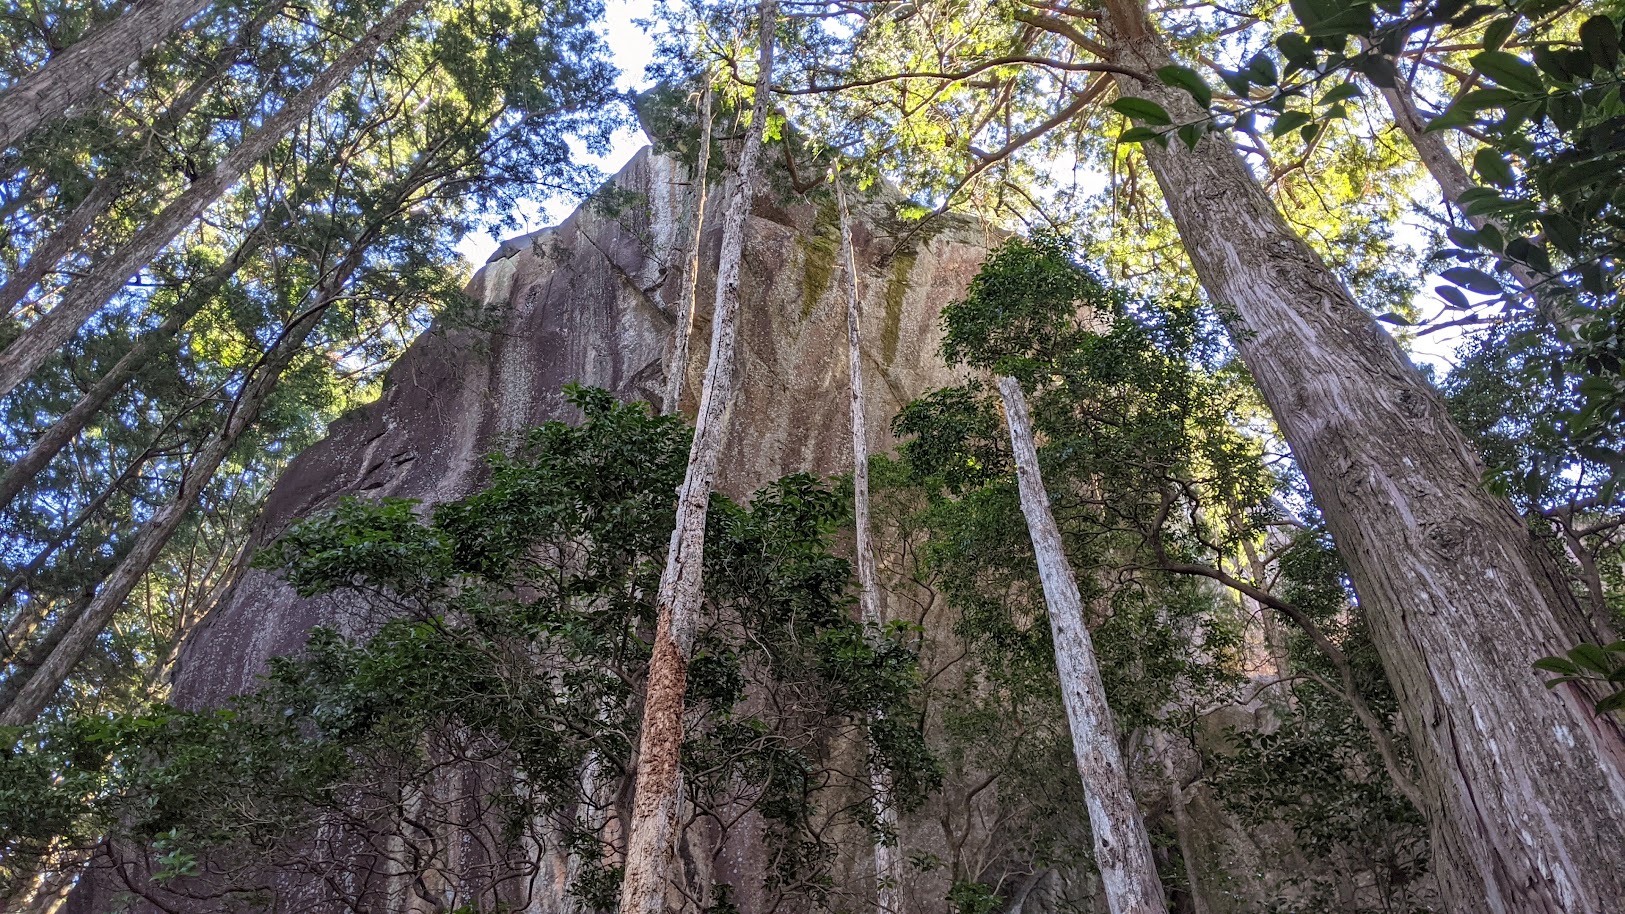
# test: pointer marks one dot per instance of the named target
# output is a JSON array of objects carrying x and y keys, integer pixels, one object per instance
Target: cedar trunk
[
  {"x": 82, "y": 299},
  {"x": 74, "y": 636},
  {"x": 1524, "y": 788},
  {"x": 652, "y": 829},
  {"x": 74, "y": 75},
  {"x": 1122, "y": 847}
]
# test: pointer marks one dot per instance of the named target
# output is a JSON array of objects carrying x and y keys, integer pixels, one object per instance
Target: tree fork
[{"x": 1460, "y": 597}]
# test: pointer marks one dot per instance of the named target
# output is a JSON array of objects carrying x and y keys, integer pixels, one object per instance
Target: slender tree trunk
[
  {"x": 82, "y": 299},
  {"x": 677, "y": 363},
  {"x": 72, "y": 422},
  {"x": 1184, "y": 828},
  {"x": 1525, "y": 788},
  {"x": 1122, "y": 846},
  {"x": 59, "y": 243},
  {"x": 888, "y": 876},
  {"x": 74, "y": 75},
  {"x": 652, "y": 831},
  {"x": 67, "y": 236},
  {"x": 78, "y": 638}
]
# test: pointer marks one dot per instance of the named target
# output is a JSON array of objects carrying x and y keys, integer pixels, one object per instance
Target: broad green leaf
[
  {"x": 1340, "y": 92},
  {"x": 1473, "y": 280},
  {"x": 1497, "y": 32},
  {"x": 1141, "y": 109},
  {"x": 1509, "y": 71},
  {"x": 1562, "y": 232},
  {"x": 1187, "y": 79},
  {"x": 1289, "y": 122},
  {"x": 1493, "y": 167},
  {"x": 1600, "y": 38}
]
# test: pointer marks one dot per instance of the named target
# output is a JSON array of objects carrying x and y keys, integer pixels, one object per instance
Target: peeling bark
[
  {"x": 652, "y": 829},
  {"x": 1524, "y": 788},
  {"x": 1121, "y": 845}
]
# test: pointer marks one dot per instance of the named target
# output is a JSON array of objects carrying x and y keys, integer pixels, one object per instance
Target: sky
[{"x": 630, "y": 48}]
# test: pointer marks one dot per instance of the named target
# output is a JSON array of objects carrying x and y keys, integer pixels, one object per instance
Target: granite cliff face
[{"x": 592, "y": 301}]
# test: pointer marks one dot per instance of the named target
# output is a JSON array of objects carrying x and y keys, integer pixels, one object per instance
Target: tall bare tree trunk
[
  {"x": 888, "y": 875},
  {"x": 677, "y": 362},
  {"x": 82, "y": 299},
  {"x": 71, "y": 231},
  {"x": 59, "y": 243},
  {"x": 74, "y": 75},
  {"x": 1122, "y": 846},
  {"x": 1525, "y": 788},
  {"x": 652, "y": 837}
]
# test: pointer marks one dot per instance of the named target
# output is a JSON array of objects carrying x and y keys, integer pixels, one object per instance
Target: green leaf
[
  {"x": 1591, "y": 657},
  {"x": 1493, "y": 167},
  {"x": 1191, "y": 134},
  {"x": 1600, "y": 38},
  {"x": 1392, "y": 318},
  {"x": 1187, "y": 79},
  {"x": 1340, "y": 92},
  {"x": 1261, "y": 70},
  {"x": 1452, "y": 295},
  {"x": 1613, "y": 702},
  {"x": 1142, "y": 109},
  {"x": 1556, "y": 665},
  {"x": 1562, "y": 232},
  {"x": 1509, "y": 71},
  {"x": 1138, "y": 135},
  {"x": 1289, "y": 122},
  {"x": 1473, "y": 280},
  {"x": 1497, "y": 32}
]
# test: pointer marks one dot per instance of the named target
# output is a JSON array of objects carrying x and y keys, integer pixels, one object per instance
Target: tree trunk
[
  {"x": 677, "y": 363},
  {"x": 652, "y": 831},
  {"x": 1184, "y": 828},
  {"x": 74, "y": 75},
  {"x": 42, "y": 685},
  {"x": 72, "y": 230},
  {"x": 59, "y": 243},
  {"x": 72, "y": 422},
  {"x": 82, "y": 299},
  {"x": 1122, "y": 846},
  {"x": 888, "y": 875},
  {"x": 1525, "y": 788}
]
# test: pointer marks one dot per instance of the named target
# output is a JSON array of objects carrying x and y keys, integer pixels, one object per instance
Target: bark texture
[
  {"x": 67, "y": 236},
  {"x": 677, "y": 363},
  {"x": 73, "y": 76},
  {"x": 1122, "y": 846},
  {"x": 888, "y": 876},
  {"x": 82, "y": 299},
  {"x": 1461, "y": 600},
  {"x": 652, "y": 829}
]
